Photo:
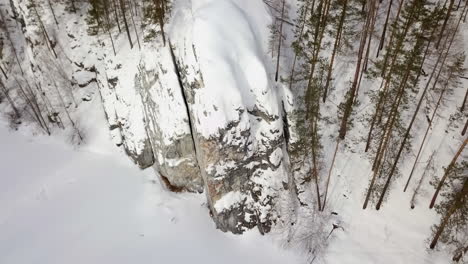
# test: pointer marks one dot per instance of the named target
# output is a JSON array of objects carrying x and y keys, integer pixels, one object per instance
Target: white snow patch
[{"x": 228, "y": 200}]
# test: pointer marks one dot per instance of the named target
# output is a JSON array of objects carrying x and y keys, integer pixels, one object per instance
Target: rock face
[
  {"x": 166, "y": 124},
  {"x": 206, "y": 116},
  {"x": 144, "y": 106},
  {"x": 236, "y": 117}
]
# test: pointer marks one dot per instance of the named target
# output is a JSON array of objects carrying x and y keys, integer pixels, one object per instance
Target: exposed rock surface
[{"x": 208, "y": 118}]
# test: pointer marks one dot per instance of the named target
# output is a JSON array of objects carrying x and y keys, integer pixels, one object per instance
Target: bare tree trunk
[
  {"x": 44, "y": 31},
  {"x": 388, "y": 128},
  {"x": 464, "y": 128},
  {"x": 447, "y": 171},
  {"x": 462, "y": 108},
  {"x": 35, "y": 104},
  {"x": 315, "y": 166},
  {"x": 449, "y": 11},
  {"x": 352, "y": 92},
  {"x": 68, "y": 114},
  {"x": 54, "y": 117},
  {"x": 382, "y": 37},
  {"x": 426, "y": 133},
  {"x": 329, "y": 174},
  {"x": 335, "y": 48},
  {"x": 291, "y": 79},
  {"x": 4, "y": 73},
  {"x": 53, "y": 13},
  {"x": 12, "y": 104},
  {"x": 279, "y": 42},
  {"x": 373, "y": 13},
  {"x": 418, "y": 186},
  {"x": 108, "y": 25},
  {"x": 458, "y": 200},
  {"x": 3, "y": 22},
  {"x": 134, "y": 27},
  {"x": 392, "y": 35},
  {"x": 116, "y": 15},
  {"x": 30, "y": 104},
  {"x": 122, "y": 7}
]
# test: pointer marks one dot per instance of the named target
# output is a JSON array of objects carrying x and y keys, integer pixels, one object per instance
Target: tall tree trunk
[
  {"x": 315, "y": 162},
  {"x": 464, "y": 128},
  {"x": 280, "y": 40},
  {"x": 4, "y": 73},
  {"x": 116, "y": 14},
  {"x": 352, "y": 92},
  {"x": 387, "y": 131},
  {"x": 106, "y": 11},
  {"x": 67, "y": 113},
  {"x": 462, "y": 108},
  {"x": 447, "y": 16},
  {"x": 386, "y": 79},
  {"x": 317, "y": 40},
  {"x": 456, "y": 204},
  {"x": 291, "y": 79},
  {"x": 44, "y": 31},
  {"x": 408, "y": 130},
  {"x": 426, "y": 133},
  {"x": 12, "y": 104},
  {"x": 31, "y": 105},
  {"x": 53, "y": 13},
  {"x": 418, "y": 186},
  {"x": 329, "y": 174},
  {"x": 371, "y": 31},
  {"x": 335, "y": 48},
  {"x": 447, "y": 172},
  {"x": 122, "y": 7},
  {"x": 408, "y": 23},
  {"x": 7, "y": 32},
  {"x": 393, "y": 31},
  {"x": 160, "y": 9},
  {"x": 35, "y": 104},
  {"x": 384, "y": 31},
  {"x": 135, "y": 28}
]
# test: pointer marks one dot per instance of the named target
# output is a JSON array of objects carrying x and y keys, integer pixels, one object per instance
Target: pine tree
[{"x": 447, "y": 172}]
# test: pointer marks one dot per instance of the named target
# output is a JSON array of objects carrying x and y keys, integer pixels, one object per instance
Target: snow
[
  {"x": 394, "y": 234},
  {"x": 229, "y": 200},
  {"x": 65, "y": 205},
  {"x": 91, "y": 205},
  {"x": 235, "y": 74}
]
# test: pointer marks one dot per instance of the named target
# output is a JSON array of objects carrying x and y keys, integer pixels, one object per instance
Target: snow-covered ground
[{"x": 93, "y": 205}]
